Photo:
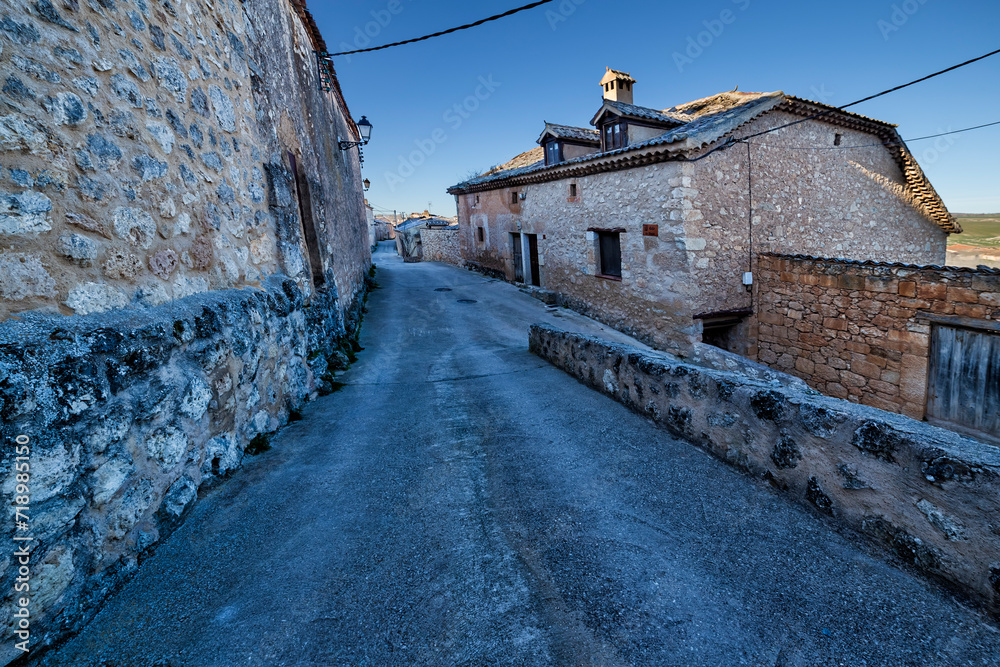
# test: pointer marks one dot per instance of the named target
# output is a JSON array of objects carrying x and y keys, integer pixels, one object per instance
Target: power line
[
  {"x": 872, "y": 97},
  {"x": 445, "y": 32},
  {"x": 884, "y": 143},
  {"x": 733, "y": 141}
]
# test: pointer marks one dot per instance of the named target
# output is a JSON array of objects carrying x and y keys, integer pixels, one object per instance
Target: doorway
[
  {"x": 308, "y": 224},
  {"x": 536, "y": 278},
  {"x": 517, "y": 255},
  {"x": 963, "y": 391}
]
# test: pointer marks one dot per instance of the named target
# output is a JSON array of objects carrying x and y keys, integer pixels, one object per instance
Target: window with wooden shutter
[{"x": 610, "y": 251}]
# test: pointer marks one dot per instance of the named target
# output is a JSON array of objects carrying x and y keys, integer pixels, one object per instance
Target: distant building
[
  {"x": 370, "y": 219},
  {"x": 408, "y": 239},
  {"x": 650, "y": 219}
]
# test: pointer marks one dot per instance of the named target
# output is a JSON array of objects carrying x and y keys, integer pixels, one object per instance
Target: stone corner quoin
[{"x": 162, "y": 305}]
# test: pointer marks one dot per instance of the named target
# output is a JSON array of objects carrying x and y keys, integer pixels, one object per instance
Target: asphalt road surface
[{"x": 460, "y": 502}]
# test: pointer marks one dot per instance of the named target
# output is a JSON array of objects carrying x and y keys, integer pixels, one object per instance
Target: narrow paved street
[{"x": 460, "y": 502}]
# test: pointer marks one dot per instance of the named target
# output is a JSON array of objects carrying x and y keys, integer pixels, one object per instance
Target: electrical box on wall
[{"x": 748, "y": 279}]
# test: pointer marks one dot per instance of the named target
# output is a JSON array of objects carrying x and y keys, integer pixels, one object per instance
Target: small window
[
  {"x": 572, "y": 189},
  {"x": 513, "y": 198},
  {"x": 836, "y": 139},
  {"x": 553, "y": 152},
  {"x": 476, "y": 203},
  {"x": 480, "y": 235},
  {"x": 615, "y": 136},
  {"x": 610, "y": 250}
]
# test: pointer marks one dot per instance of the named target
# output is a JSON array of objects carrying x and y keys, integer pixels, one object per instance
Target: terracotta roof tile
[
  {"x": 703, "y": 122},
  {"x": 584, "y": 134}
]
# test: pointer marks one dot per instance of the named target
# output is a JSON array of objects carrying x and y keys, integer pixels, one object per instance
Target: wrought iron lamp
[
  {"x": 365, "y": 129},
  {"x": 367, "y": 184}
]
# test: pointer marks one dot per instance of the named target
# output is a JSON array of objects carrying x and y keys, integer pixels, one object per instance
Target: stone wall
[
  {"x": 929, "y": 496},
  {"x": 861, "y": 331},
  {"x": 184, "y": 253},
  {"x": 654, "y": 301},
  {"x": 850, "y": 203},
  {"x": 441, "y": 245},
  {"x": 846, "y": 203},
  {"x": 129, "y": 416},
  {"x": 138, "y": 143}
]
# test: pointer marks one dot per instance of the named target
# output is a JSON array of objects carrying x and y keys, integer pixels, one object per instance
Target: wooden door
[
  {"x": 515, "y": 249},
  {"x": 536, "y": 278},
  {"x": 963, "y": 390}
]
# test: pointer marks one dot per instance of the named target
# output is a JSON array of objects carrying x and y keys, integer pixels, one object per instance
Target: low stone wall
[
  {"x": 127, "y": 414},
  {"x": 930, "y": 496},
  {"x": 441, "y": 245},
  {"x": 861, "y": 330}
]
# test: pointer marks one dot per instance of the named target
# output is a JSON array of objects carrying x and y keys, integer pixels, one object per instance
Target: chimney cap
[{"x": 616, "y": 75}]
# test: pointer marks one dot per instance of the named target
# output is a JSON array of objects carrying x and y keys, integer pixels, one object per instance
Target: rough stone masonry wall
[
  {"x": 138, "y": 139},
  {"x": 930, "y": 496},
  {"x": 128, "y": 415},
  {"x": 655, "y": 298},
  {"x": 860, "y": 331},
  {"x": 144, "y": 175},
  {"x": 850, "y": 203},
  {"x": 441, "y": 245}
]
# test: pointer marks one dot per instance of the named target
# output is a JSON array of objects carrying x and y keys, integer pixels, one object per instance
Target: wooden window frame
[
  {"x": 605, "y": 264},
  {"x": 619, "y": 141},
  {"x": 558, "y": 152}
]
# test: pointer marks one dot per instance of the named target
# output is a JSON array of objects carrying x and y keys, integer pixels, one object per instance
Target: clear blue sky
[{"x": 545, "y": 64}]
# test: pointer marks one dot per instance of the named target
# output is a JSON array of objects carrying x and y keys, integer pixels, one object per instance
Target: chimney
[{"x": 617, "y": 86}]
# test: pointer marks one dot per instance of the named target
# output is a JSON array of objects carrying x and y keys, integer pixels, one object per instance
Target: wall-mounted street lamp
[
  {"x": 367, "y": 184},
  {"x": 365, "y": 129}
]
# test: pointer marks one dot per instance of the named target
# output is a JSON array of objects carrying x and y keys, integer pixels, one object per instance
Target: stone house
[
  {"x": 654, "y": 219},
  {"x": 183, "y": 262},
  {"x": 370, "y": 221},
  {"x": 409, "y": 234}
]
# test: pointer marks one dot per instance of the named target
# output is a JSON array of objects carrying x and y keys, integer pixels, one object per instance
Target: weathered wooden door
[
  {"x": 515, "y": 249},
  {"x": 963, "y": 390},
  {"x": 536, "y": 278}
]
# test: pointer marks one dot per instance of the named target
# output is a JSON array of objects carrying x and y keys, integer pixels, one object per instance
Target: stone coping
[{"x": 930, "y": 496}]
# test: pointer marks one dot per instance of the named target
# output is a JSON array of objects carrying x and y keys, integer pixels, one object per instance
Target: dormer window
[
  {"x": 614, "y": 135},
  {"x": 553, "y": 152}
]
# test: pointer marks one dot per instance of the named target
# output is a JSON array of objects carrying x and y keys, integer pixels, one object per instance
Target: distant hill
[{"x": 981, "y": 230}]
